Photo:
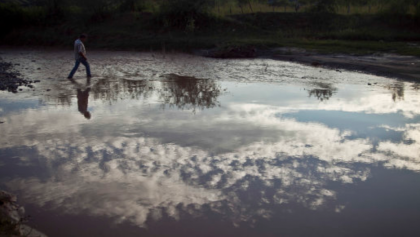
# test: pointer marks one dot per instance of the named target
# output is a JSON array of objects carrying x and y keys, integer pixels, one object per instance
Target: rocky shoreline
[
  {"x": 10, "y": 80},
  {"x": 12, "y": 217}
]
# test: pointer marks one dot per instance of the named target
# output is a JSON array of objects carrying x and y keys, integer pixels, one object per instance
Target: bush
[
  {"x": 182, "y": 13},
  {"x": 417, "y": 12},
  {"x": 131, "y": 5},
  {"x": 324, "y": 6},
  {"x": 397, "y": 7},
  {"x": 54, "y": 8},
  {"x": 96, "y": 10},
  {"x": 11, "y": 17},
  {"x": 14, "y": 16}
]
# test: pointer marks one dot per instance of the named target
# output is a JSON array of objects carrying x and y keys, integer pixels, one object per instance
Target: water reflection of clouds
[
  {"x": 164, "y": 176},
  {"x": 410, "y": 151},
  {"x": 131, "y": 177},
  {"x": 228, "y": 124},
  {"x": 134, "y": 161},
  {"x": 373, "y": 104}
]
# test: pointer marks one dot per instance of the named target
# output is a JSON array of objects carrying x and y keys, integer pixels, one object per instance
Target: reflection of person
[
  {"x": 83, "y": 98},
  {"x": 82, "y": 102},
  {"x": 80, "y": 56}
]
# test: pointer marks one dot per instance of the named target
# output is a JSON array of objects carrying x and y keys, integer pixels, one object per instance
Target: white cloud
[{"x": 150, "y": 173}]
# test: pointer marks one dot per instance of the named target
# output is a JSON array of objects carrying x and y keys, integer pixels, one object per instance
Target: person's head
[
  {"x": 87, "y": 115},
  {"x": 83, "y": 37}
]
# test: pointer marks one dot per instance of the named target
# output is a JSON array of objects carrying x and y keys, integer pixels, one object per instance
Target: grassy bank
[{"x": 325, "y": 33}]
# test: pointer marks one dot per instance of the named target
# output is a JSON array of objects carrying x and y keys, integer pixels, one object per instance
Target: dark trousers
[{"x": 76, "y": 66}]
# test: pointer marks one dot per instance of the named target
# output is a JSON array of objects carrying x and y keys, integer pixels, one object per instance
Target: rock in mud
[
  {"x": 9, "y": 79},
  {"x": 12, "y": 217}
]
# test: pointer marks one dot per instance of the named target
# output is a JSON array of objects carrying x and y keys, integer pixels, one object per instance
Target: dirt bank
[{"x": 387, "y": 65}]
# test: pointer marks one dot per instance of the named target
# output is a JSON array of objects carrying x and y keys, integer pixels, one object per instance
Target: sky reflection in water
[{"x": 254, "y": 159}]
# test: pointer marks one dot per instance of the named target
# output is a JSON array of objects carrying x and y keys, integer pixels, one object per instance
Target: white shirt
[{"x": 79, "y": 47}]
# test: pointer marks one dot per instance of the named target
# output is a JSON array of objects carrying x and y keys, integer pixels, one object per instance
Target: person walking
[{"x": 80, "y": 56}]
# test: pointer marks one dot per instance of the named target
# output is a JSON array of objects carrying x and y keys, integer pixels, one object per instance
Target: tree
[
  {"x": 322, "y": 6},
  {"x": 96, "y": 7},
  {"x": 351, "y": 3},
  {"x": 279, "y": 3},
  {"x": 417, "y": 12},
  {"x": 397, "y": 7},
  {"x": 128, "y": 5},
  {"x": 242, "y": 3},
  {"x": 54, "y": 7},
  {"x": 218, "y": 3},
  {"x": 284, "y": 3},
  {"x": 180, "y": 13}
]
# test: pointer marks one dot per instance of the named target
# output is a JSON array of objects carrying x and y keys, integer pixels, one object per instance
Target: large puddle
[{"x": 178, "y": 145}]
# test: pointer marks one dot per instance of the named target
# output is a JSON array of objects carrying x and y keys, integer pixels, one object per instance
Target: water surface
[{"x": 178, "y": 145}]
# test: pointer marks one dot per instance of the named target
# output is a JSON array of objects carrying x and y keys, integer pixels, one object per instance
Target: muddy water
[{"x": 178, "y": 145}]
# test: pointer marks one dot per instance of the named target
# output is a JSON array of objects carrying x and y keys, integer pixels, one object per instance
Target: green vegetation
[{"x": 328, "y": 26}]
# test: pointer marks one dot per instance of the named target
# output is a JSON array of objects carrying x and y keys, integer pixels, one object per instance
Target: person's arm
[
  {"x": 83, "y": 55},
  {"x": 79, "y": 48}
]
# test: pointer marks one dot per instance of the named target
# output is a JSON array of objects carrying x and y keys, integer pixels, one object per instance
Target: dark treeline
[
  {"x": 36, "y": 11},
  {"x": 207, "y": 23}
]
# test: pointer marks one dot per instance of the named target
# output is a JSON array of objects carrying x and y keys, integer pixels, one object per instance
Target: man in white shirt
[{"x": 80, "y": 56}]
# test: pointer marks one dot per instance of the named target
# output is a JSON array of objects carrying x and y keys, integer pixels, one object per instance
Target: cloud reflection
[{"x": 136, "y": 178}]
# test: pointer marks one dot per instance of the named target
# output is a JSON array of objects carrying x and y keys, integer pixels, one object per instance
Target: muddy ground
[
  {"x": 387, "y": 65},
  {"x": 11, "y": 79}
]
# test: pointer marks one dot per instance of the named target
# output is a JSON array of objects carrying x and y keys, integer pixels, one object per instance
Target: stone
[
  {"x": 13, "y": 215},
  {"x": 10, "y": 80}
]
